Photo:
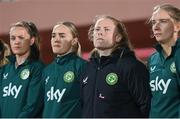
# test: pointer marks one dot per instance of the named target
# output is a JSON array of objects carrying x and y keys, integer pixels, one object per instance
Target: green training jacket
[
  {"x": 62, "y": 87},
  {"x": 164, "y": 83},
  {"x": 21, "y": 94}
]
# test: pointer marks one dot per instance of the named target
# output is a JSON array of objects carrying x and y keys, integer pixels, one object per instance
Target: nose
[
  {"x": 16, "y": 40},
  {"x": 156, "y": 26},
  {"x": 56, "y": 39},
  {"x": 100, "y": 33}
]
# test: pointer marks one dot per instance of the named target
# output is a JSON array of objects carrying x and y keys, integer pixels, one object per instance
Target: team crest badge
[
  {"x": 24, "y": 74},
  {"x": 69, "y": 77},
  {"x": 173, "y": 67},
  {"x": 111, "y": 79}
]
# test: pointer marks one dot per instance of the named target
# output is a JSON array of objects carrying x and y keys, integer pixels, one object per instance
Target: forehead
[
  {"x": 160, "y": 14},
  {"x": 17, "y": 30},
  {"x": 61, "y": 29},
  {"x": 105, "y": 22}
]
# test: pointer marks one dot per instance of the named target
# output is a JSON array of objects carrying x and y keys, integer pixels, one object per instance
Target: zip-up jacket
[
  {"x": 115, "y": 86},
  {"x": 21, "y": 94},
  {"x": 62, "y": 87},
  {"x": 177, "y": 64},
  {"x": 164, "y": 83}
]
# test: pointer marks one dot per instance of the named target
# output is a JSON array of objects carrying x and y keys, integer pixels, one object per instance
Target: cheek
[
  {"x": 11, "y": 43},
  {"x": 52, "y": 42},
  {"x": 94, "y": 41},
  {"x": 69, "y": 44},
  {"x": 112, "y": 39},
  {"x": 152, "y": 28},
  {"x": 26, "y": 46},
  {"x": 66, "y": 44},
  {"x": 26, "y": 43},
  {"x": 169, "y": 30}
]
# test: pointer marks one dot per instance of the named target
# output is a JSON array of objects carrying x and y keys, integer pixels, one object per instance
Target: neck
[
  {"x": 20, "y": 59},
  {"x": 106, "y": 52},
  {"x": 60, "y": 55},
  {"x": 167, "y": 47}
]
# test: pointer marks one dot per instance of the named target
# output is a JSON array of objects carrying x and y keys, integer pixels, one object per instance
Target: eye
[
  {"x": 12, "y": 38},
  {"x": 21, "y": 38},
  {"x": 107, "y": 29},
  {"x": 53, "y": 35},
  {"x": 160, "y": 21},
  {"x": 61, "y": 36},
  {"x": 163, "y": 20},
  {"x": 153, "y": 22},
  {"x": 97, "y": 29}
]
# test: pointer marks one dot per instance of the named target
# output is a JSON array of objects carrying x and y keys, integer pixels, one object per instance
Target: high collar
[
  {"x": 12, "y": 59},
  {"x": 65, "y": 58},
  {"x": 159, "y": 48},
  {"x": 115, "y": 55}
]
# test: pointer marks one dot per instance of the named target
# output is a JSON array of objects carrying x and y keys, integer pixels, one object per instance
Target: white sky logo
[
  {"x": 11, "y": 90},
  {"x": 55, "y": 95},
  {"x": 160, "y": 85}
]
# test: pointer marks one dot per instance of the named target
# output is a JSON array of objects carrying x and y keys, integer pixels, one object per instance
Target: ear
[
  {"x": 118, "y": 38},
  {"x": 32, "y": 41},
  {"x": 177, "y": 27},
  {"x": 74, "y": 41}
]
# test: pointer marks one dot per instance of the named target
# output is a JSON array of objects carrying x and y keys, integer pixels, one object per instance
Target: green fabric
[
  {"x": 177, "y": 62},
  {"x": 20, "y": 89},
  {"x": 164, "y": 84},
  {"x": 62, "y": 96}
]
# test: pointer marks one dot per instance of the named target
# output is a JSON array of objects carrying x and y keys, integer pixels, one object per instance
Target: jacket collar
[
  {"x": 12, "y": 59},
  {"x": 115, "y": 55},
  {"x": 159, "y": 48},
  {"x": 65, "y": 58}
]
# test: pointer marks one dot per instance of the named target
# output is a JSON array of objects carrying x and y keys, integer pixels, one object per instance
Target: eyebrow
[
  {"x": 161, "y": 19},
  {"x": 59, "y": 33},
  {"x": 103, "y": 26},
  {"x": 17, "y": 36}
]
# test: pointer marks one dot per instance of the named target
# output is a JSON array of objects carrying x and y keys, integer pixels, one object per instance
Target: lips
[
  {"x": 157, "y": 34},
  {"x": 100, "y": 39},
  {"x": 17, "y": 47},
  {"x": 57, "y": 45}
]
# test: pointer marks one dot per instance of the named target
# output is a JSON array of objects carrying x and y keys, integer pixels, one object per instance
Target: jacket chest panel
[
  {"x": 107, "y": 84},
  {"x": 163, "y": 77}
]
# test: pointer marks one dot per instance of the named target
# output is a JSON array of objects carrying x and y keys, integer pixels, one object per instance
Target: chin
[
  {"x": 55, "y": 52},
  {"x": 159, "y": 40},
  {"x": 16, "y": 52},
  {"x": 100, "y": 48},
  {"x": 58, "y": 52}
]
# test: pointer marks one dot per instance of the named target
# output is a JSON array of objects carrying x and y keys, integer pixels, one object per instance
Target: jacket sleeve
[
  {"x": 177, "y": 65},
  {"x": 81, "y": 76},
  {"x": 34, "y": 100},
  {"x": 1, "y": 73},
  {"x": 1, "y": 92},
  {"x": 138, "y": 84}
]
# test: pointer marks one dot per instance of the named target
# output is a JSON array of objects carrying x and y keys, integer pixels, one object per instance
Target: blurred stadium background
[{"x": 46, "y": 13}]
